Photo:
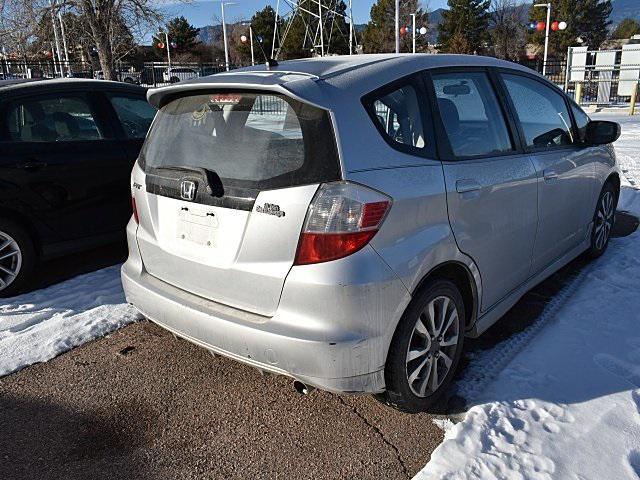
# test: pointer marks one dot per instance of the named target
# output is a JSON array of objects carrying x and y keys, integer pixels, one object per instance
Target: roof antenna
[{"x": 269, "y": 62}]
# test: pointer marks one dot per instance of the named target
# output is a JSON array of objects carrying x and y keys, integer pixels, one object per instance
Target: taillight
[
  {"x": 134, "y": 207},
  {"x": 342, "y": 218}
]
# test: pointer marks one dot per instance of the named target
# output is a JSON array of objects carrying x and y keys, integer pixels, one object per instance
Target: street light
[
  {"x": 166, "y": 39},
  {"x": 243, "y": 38},
  {"x": 224, "y": 33},
  {"x": 546, "y": 34}
]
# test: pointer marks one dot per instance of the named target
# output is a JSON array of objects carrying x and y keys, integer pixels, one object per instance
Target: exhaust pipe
[{"x": 302, "y": 388}]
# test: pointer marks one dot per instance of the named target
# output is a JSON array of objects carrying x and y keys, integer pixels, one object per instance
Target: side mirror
[{"x": 602, "y": 132}]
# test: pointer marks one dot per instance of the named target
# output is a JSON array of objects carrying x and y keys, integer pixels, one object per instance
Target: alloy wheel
[
  {"x": 432, "y": 346},
  {"x": 604, "y": 220},
  {"x": 10, "y": 260}
]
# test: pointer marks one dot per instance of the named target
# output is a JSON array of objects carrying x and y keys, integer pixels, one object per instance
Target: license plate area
[{"x": 197, "y": 226}]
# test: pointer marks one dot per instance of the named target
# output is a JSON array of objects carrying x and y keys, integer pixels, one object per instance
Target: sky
[{"x": 207, "y": 12}]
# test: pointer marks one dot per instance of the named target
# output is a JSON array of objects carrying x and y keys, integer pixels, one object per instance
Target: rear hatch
[{"x": 229, "y": 177}]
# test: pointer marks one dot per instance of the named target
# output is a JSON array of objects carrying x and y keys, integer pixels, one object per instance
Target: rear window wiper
[{"x": 212, "y": 181}]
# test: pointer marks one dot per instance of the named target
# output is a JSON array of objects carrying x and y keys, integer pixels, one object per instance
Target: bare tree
[
  {"x": 110, "y": 25},
  {"x": 507, "y": 30},
  {"x": 109, "y": 20}
]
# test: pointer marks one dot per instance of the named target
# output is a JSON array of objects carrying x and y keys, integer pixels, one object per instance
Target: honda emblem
[{"x": 187, "y": 190}]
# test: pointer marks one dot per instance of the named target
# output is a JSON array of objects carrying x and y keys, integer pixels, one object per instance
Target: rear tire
[
  {"x": 17, "y": 258},
  {"x": 603, "y": 220},
  {"x": 425, "y": 349}
]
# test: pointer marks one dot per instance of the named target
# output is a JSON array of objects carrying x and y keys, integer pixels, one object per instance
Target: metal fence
[
  {"x": 150, "y": 74},
  {"x": 598, "y": 81}
]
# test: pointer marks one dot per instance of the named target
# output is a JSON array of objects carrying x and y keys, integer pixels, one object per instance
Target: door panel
[
  {"x": 73, "y": 174},
  {"x": 564, "y": 170},
  {"x": 564, "y": 190},
  {"x": 493, "y": 214},
  {"x": 491, "y": 189}
]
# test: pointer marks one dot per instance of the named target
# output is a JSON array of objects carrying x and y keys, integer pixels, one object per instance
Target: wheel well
[
  {"x": 20, "y": 220},
  {"x": 459, "y": 275},
  {"x": 615, "y": 180}
]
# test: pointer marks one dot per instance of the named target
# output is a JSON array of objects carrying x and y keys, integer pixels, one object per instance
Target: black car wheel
[
  {"x": 425, "y": 349},
  {"x": 17, "y": 258},
  {"x": 603, "y": 220}
]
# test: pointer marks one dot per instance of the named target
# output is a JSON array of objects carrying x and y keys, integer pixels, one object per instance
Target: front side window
[
  {"x": 135, "y": 114},
  {"x": 582, "y": 119},
  {"x": 398, "y": 116},
  {"x": 249, "y": 140},
  {"x": 471, "y": 114},
  {"x": 54, "y": 119},
  {"x": 542, "y": 112}
]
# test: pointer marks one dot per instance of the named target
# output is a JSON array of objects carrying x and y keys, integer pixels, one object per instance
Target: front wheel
[
  {"x": 603, "y": 220},
  {"x": 425, "y": 349}
]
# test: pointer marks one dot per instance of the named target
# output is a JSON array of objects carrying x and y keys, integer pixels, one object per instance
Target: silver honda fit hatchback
[{"x": 347, "y": 221}]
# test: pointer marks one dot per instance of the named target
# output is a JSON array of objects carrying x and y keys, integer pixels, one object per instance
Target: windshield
[{"x": 249, "y": 140}]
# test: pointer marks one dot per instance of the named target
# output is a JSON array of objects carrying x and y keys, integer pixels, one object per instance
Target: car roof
[
  {"x": 19, "y": 84},
  {"x": 359, "y": 74}
]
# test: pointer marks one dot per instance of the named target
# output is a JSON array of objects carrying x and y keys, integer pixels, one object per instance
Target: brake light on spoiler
[{"x": 342, "y": 218}]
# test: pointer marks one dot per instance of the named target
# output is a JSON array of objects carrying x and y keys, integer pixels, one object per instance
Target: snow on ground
[
  {"x": 37, "y": 326},
  {"x": 568, "y": 404}
]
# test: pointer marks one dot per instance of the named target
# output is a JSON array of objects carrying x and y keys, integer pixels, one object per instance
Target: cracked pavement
[{"x": 143, "y": 404}]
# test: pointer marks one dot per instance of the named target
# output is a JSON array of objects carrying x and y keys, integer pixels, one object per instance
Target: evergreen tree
[
  {"x": 182, "y": 34},
  {"x": 586, "y": 19},
  {"x": 464, "y": 26},
  {"x": 262, "y": 24},
  {"x": 379, "y": 34},
  {"x": 627, "y": 28}
]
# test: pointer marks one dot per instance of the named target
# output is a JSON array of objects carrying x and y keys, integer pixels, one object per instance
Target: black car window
[
  {"x": 471, "y": 114},
  {"x": 134, "y": 112},
  {"x": 398, "y": 116},
  {"x": 542, "y": 112},
  {"x": 582, "y": 119},
  {"x": 52, "y": 119}
]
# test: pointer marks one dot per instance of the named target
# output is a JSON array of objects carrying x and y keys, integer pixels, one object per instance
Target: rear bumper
[{"x": 314, "y": 336}]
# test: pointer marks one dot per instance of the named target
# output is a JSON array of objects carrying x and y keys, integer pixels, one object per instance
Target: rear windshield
[{"x": 251, "y": 140}]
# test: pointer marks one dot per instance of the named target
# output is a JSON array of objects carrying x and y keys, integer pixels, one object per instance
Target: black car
[{"x": 66, "y": 152}]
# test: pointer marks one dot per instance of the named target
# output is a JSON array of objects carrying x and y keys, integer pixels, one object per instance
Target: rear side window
[
  {"x": 398, "y": 117},
  {"x": 62, "y": 118},
  {"x": 471, "y": 114},
  {"x": 135, "y": 114},
  {"x": 249, "y": 140},
  {"x": 542, "y": 112}
]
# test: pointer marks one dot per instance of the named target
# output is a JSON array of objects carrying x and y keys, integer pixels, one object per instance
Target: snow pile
[
  {"x": 568, "y": 404},
  {"x": 40, "y": 325}
]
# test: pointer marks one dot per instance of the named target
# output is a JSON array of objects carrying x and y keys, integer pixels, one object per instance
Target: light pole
[
  {"x": 413, "y": 30},
  {"x": 546, "y": 34},
  {"x": 397, "y": 26},
  {"x": 166, "y": 44},
  {"x": 243, "y": 39},
  {"x": 224, "y": 34}
]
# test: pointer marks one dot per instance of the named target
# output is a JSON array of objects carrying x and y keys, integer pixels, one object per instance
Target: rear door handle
[
  {"x": 31, "y": 165},
  {"x": 549, "y": 174},
  {"x": 467, "y": 185}
]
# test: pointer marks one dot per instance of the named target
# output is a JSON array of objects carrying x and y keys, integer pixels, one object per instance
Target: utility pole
[
  {"x": 546, "y": 34},
  {"x": 397, "y": 26}
]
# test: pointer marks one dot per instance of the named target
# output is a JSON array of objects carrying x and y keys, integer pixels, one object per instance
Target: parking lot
[{"x": 141, "y": 403}]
